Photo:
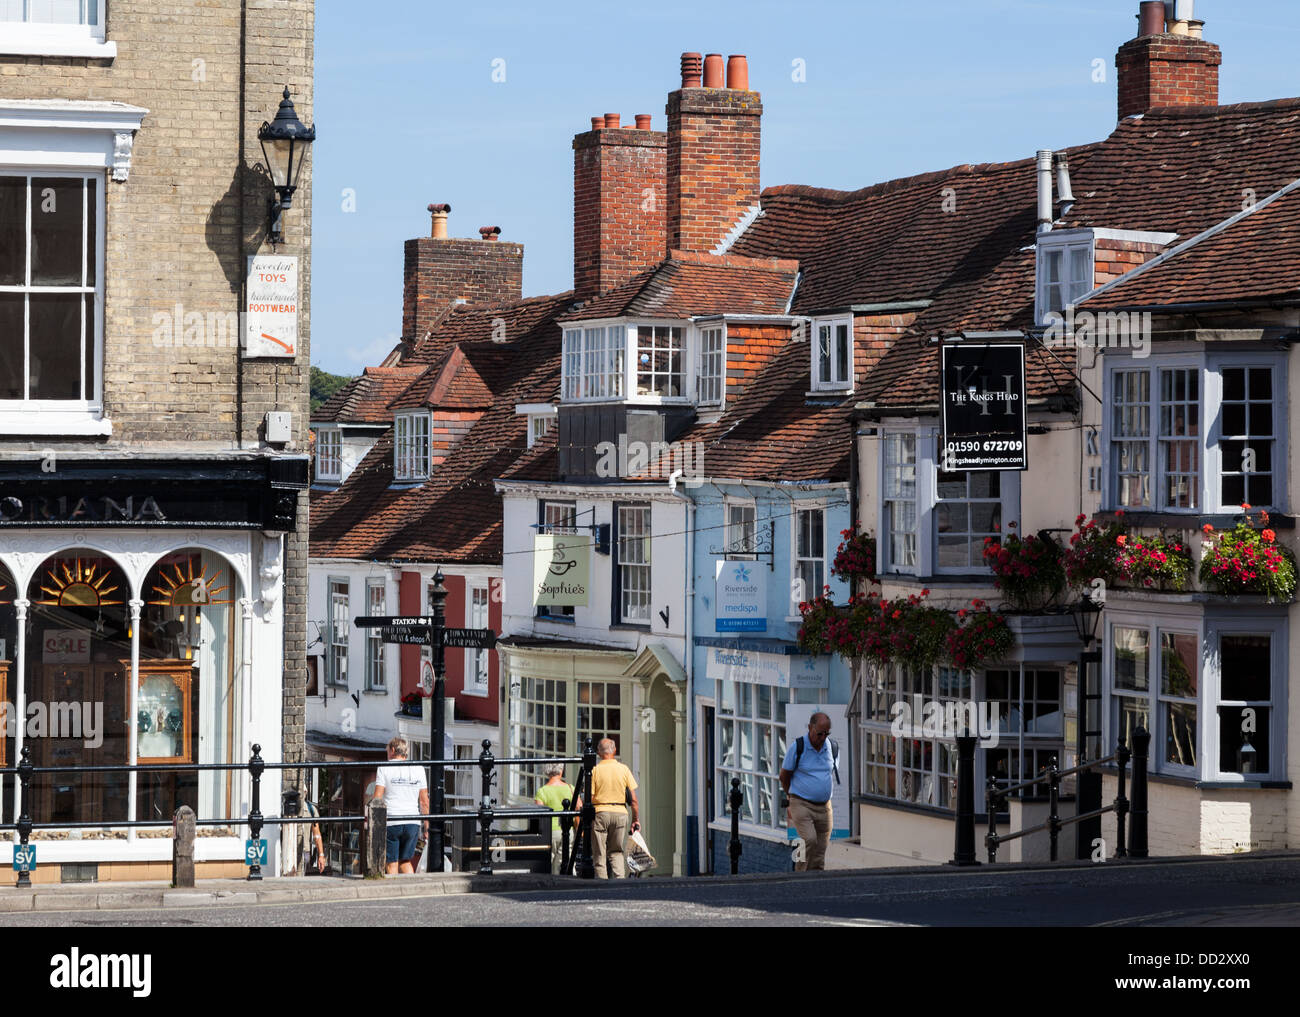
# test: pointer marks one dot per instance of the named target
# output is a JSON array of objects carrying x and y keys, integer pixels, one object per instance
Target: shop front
[{"x": 141, "y": 622}]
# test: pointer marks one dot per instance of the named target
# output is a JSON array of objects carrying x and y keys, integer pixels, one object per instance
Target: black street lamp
[
  {"x": 1087, "y": 619},
  {"x": 285, "y": 141}
]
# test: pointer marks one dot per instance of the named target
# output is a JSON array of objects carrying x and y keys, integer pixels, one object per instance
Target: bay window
[
  {"x": 1064, "y": 268},
  {"x": 968, "y": 508},
  {"x": 898, "y": 525},
  {"x": 1207, "y": 688},
  {"x": 659, "y": 361},
  {"x": 1195, "y": 433},
  {"x": 643, "y": 362}
]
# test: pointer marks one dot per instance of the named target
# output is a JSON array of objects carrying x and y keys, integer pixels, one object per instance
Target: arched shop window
[
  {"x": 77, "y": 658},
  {"x": 189, "y": 701}
]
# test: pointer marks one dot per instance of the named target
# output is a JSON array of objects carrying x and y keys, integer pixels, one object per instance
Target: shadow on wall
[{"x": 222, "y": 227}]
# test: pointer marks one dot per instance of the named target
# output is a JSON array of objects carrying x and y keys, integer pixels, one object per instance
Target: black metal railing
[
  {"x": 996, "y": 798},
  {"x": 488, "y": 812}
]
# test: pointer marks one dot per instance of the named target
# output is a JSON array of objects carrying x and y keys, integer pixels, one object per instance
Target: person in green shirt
[{"x": 553, "y": 794}]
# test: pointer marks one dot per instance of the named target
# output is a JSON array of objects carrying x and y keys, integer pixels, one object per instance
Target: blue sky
[{"x": 408, "y": 112}]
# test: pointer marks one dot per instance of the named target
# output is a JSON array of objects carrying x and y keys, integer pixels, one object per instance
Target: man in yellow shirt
[{"x": 612, "y": 786}]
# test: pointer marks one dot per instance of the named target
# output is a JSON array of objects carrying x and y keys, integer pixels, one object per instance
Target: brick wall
[
  {"x": 1167, "y": 70},
  {"x": 447, "y": 429},
  {"x": 1116, "y": 257},
  {"x": 619, "y": 207},
  {"x": 178, "y": 233},
  {"x": 1187, "y": 821},
  {"x": 713, "y": 149},
  {"x": 440, "y": 271},
  {"x": 750, "y": 348},
  {"x": 873, "y": 334}
]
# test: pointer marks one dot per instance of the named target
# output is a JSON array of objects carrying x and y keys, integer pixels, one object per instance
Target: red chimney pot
[
  {"x": 611, "y": 120},
  {"x": 691, "y": 63},
  {"x": 1151, "y": 18},
  {"x": 713, "y": 71},
  {"x": 489, "y": 232},
  {"x": 643, "y": 121},
  {"x": 597, "y": 123},
  {"x": 738, "y": 72}
]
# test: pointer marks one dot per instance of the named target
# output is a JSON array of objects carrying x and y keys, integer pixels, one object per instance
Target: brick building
[{"x": 153, "y": 530}]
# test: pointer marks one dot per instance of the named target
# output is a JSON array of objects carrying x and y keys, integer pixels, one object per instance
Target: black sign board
[
  {"x": 469, "y": 639},
  {"x": 374, "y": 621},
  {"x": 411, "y": 635},
  {"x": 983, "y": 394}
]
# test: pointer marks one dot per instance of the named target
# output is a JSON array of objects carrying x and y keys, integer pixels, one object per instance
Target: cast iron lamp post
[
  {"x": 1087, "y": 619},
  {"x": 285, "y": 141}
]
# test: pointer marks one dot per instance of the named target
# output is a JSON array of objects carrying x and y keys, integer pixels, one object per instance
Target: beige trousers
[
  {"x": 607, "y": 835},
  {"x": 813, "y": 824}
]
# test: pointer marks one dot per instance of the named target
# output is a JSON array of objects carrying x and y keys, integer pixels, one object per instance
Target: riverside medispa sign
[
  {"x": 982, "y": 389},
  {"x": 741, "y": 597}
]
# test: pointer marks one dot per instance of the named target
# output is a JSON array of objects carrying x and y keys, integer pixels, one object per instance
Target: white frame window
[
  {"x": 633, "y": 564},
  {"x": 1174, "y": 437},
  {"x": 329, "y": 453},
  {"x": 557, "y": 517},
  {"x": 376, "y": 604},
  {"x": 594, "y": 362},
  {"x": 1064, "y": 271},
  {"x": 340, "y": 625},
  {"x": 660, "y": 363},
  {"x": 899, "y": 496},
  {"x": 832, "y": 354},
  {"x": 411, "y": 437},
  {"x": 711, "y": 374},
  {"x": 539, "y": 426},
  {"x": 913, "y": 515},
  {"x": 476, "y": 661},
  {"x": 967, "y": 508},
  {"x": 808, "y": 545},
  {"x": 77, "y": 32},
  {"x": 1189, "y": 681},
  {"x": 741, "y": 529},
  {"x": 749, "y": 739},
  {"x": 78, "y": 287}
]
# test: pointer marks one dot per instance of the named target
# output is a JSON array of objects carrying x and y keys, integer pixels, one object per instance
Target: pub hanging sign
[{"x": 983, "y": 396}]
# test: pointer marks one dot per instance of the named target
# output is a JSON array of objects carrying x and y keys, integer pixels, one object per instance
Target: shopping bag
[{"x": 639, "y": 858}]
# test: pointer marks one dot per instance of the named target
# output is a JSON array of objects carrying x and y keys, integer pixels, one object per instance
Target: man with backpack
[{"x": 806, "y": 773}]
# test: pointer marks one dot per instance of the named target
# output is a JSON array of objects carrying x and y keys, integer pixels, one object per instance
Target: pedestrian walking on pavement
[
  {"x": 806, "y": 778},
  {"x": 613, "y": 791}
]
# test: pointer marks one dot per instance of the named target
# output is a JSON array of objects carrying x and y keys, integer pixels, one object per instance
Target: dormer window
[
  {"x": 329, "y": 454},
  {"x": 1064, "y": 270},
  {"x": 711, "y": 379},
  {"x": 659, "y": 361},
  {"x": 411, "y": 447},
  {"x": 832, "y": 354}
]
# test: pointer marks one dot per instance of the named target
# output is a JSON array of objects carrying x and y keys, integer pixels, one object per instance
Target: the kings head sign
[{"x": 983, "y": 394}]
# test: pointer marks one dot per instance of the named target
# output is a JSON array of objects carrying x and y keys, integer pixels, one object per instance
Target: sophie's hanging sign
[
  {"x": 271, "y": 322},
  {"x": 561, "y": 569},
  {"x": 983, "y": 393}
]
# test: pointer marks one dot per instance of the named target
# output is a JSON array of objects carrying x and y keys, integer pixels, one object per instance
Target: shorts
[{"x": 401, "y": 841}]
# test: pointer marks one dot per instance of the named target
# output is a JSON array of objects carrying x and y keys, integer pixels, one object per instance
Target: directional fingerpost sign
[{"x": 469, "y": 639}]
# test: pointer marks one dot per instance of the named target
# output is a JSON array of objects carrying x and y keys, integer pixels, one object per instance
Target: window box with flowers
[
  {"x": 1030, "y": 570},
  {"x": 412, "y": 705},
  {"x": 1248, "y": 560},
  {"x": 1116, "y": 557}
]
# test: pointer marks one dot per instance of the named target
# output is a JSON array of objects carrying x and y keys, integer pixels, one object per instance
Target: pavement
[{"x": 323, "y": 889}]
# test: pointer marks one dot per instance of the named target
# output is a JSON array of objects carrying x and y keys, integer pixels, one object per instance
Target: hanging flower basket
[
  {"x": 981, "y": 637},
  {"x": 855, "y": 558},
  {"x": 1029, "y": 570},
  {"x": 1247, "y": 560}
]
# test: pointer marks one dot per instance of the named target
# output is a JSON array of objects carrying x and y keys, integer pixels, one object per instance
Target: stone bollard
[
  {"x": 183, "y": 828},
  {"x": 375, "y": 859}
]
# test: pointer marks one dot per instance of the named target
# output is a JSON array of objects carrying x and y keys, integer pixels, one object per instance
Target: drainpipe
[{"x": 688, "y": 661}]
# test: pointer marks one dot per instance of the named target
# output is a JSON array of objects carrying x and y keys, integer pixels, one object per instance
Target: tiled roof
[
  {"x": 509, "y": 322},
  {"x": 464, "y": 379},
  {"x": 454, "y": 516},
  {"x": 1257, "y": 257},
  {"x": 688, "y": 284},
  {"x": 365, "y": 399},
  {"x": 774, "y": 431}
]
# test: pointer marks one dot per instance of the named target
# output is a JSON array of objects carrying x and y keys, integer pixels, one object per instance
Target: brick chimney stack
[
  {"x": 618, "y": 203},
  {"x": 442, "y": 270},
  {"x": 1167, "y": 65},
  {"x": 713, "y": 142}
]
